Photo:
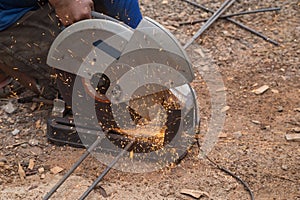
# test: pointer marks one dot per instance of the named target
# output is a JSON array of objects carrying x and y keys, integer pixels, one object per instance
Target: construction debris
[
  {"x": 194, "y": 193},
  {"x": 293, "y": 137}
]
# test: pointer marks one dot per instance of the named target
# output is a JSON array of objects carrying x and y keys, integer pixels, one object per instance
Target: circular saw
[{"x": 127, "y": 84}]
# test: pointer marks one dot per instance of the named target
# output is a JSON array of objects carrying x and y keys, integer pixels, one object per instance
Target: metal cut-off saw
[{"x": 126, "y": 85}]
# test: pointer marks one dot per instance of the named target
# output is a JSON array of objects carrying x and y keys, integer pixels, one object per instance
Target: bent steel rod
[
  {"x": 234, "y": 22},
  {"x": 73, "y": 168},
  {"x": 109, "y": 167},
  {"x": 232, "y": 15}
]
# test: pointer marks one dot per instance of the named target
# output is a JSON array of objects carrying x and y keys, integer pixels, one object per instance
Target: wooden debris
[
  {"x": 38, "y": 124},
  {"x": 225, "y": 109},
  {"x": 56, "y": 170},
  {"x": 261, "y": 90},
  {"x": 31, "y": 164},
  {"x": 21, "y": 172},
  {"x": 15, "y": 145},
  {"x": 194, "y": 193},
  {"x": 33, "y": 106},
  {"x": 293, "y": 137},
  {"x": 131, "y": 154},
  {"x": 255, "y": 122}
]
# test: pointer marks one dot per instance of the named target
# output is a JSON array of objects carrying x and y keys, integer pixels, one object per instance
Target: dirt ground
[{"x": 252, "y": 143}]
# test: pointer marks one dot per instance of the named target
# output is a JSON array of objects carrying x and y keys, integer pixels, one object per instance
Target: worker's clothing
[{"x": 30, "y": 26}]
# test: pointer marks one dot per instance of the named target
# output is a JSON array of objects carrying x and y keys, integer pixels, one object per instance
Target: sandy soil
[{"x": 252, "y": 143}]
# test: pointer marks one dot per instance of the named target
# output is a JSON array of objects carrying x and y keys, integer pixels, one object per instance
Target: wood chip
[
  {"x": 194, "y": 193},
  {"x": 255, "y": 122},
  {"x": 38, "y": 124},
  {"x": 33, "y": 106},
  {"x": 21, "y": 172},
  {"x": 225, "y": 109},
  {"x": 131, "y": 154},
  {"x": 31, "y": 164},
  {"x": 56, "y": 170},
  {"x": 261, "y": 90},
  {"x": 293, "y": 137}
]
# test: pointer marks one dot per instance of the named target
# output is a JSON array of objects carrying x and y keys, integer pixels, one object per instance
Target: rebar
[
  {"x": 108, "y": 168},
  {"x": 211, "y": 20},
  {"x": 233, "y": 15},
  {"x": 234, "y": 22},
  {"x": 73, "y": 168}
]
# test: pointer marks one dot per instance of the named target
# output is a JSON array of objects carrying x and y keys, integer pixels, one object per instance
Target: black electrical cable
[{"x": 245, "y": 184}]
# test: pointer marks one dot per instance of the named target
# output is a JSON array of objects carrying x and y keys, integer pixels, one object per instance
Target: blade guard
[{"x": 96, "y": 46}]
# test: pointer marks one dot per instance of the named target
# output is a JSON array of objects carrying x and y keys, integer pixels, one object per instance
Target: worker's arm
[{"x": 70, "y": 11}]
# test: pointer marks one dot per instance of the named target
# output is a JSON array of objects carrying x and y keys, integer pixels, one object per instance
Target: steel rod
[
  {"x": 234, "y": 22},
  {"x": 233, "y": 15},
  {"x": 212, "y": 19},
  {"x": 108, "y": 168},
  {"x": 73, "y": 168}
]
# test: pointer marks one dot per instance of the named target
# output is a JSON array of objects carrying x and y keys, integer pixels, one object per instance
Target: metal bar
[
  {"x": 211, "y": 20},
  {"x": 233, "y": 15},
  {"x": 73, "y": 168},
  {"x": 234, "y": 22},
  {"x": 109, "y": 167}
]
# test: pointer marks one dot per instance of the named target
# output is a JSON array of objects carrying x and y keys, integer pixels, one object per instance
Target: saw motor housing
[{"x": 133, "y": 83}]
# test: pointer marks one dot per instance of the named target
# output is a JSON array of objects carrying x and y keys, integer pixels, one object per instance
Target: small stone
[
  {"x": 2, "y": 164},
  {"x": 43, "y": 176},
  {"x": 237, "y": 134},
  {"x": 15, "y": 132},
  {"x": 280, "y": 109},
  {"x": 3, "y": 159},
  {"x": 297, "y": 109},
  {"x": 9, "y": 108},
  {"x": 165, "y": 2},
  {"x": 284, "y": 167},
  {"x": 24, "y": 145},
  {"x": 41, "y": 170},
  {"x": 275, "y": 91},
  {"x": 33, "y": 142}
]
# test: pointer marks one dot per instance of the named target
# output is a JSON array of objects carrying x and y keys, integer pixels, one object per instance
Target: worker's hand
[{"x": 71, "y": 11}]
